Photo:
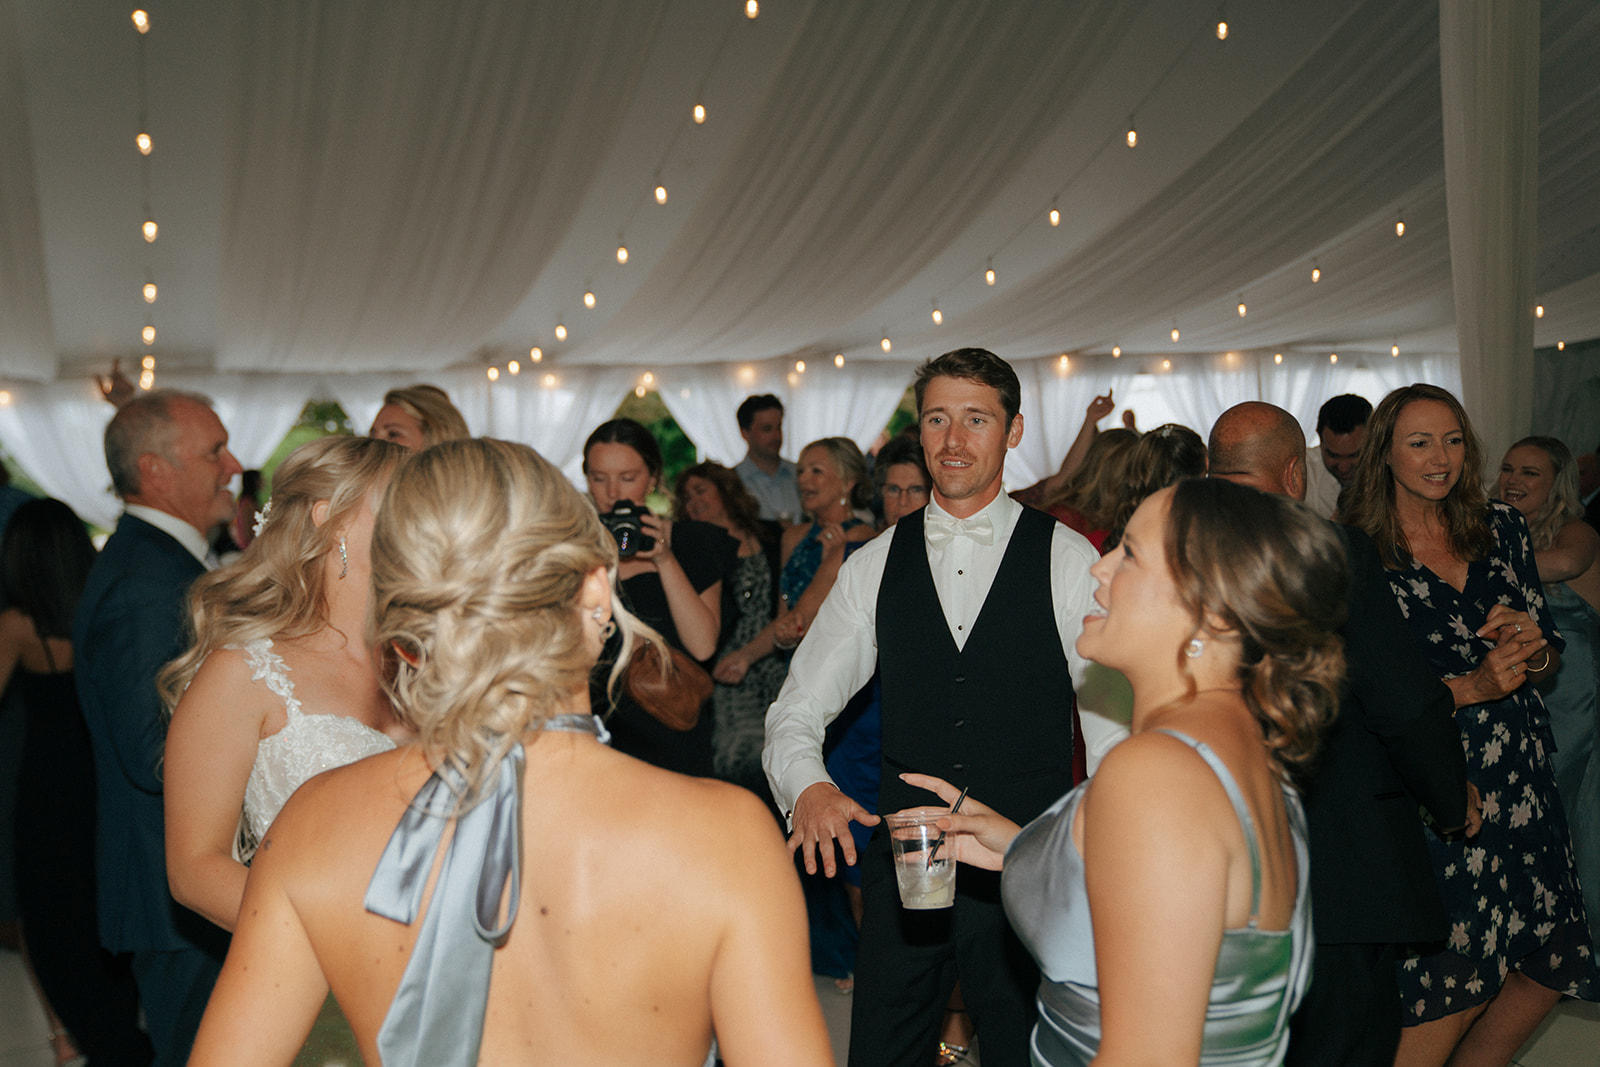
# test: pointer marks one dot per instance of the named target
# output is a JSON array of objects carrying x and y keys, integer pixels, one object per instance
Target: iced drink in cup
[{"x": 923, "y": 884}]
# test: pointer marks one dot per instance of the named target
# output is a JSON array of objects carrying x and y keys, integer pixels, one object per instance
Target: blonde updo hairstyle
[
  {"x": 276, "y": 588},
  {"x": 851, "y": 467},
  {"x": 431, "y": 407},
  {"x": 1274, "y": 574},
  {"x": 478, "y": 560}
]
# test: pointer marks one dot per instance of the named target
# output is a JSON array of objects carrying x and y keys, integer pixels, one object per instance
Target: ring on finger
[{"x": 1519, "y": 627}]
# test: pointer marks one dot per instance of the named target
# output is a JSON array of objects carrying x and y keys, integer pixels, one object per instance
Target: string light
[
  {"x": 535, "y": 354},
  {"x": 661, "y": 194},
  {"x": 938, "y": 316},
  {"x": 561, "y": 332},
  {"x": 149, "y": 292},
  {"x": 1316, "y": 273},
  {"x": 639, "y": 391},
  {"x": 794, "y": 379},
  {"x": 1055, "y": 217},
  {"x": 149, "y": 335},
  {"x": 751, "y": 9},
  {"x": 147, "y": 363},
  {"x": 143, "y": 141},
  {"x": 1333, "y": 357},
  {"x": 1277, "y": 357},
  {"x": 149, "y": 229},
  {"x": 514, "y": 368},
  {"x": 141, "y": 20},
  {"x": 5, "y": 398},
  {"x": 1538, "y": 311},
  {"x": 884, "y": 344},
  {"x": 838, "y": 359},
  {"x": 549, "y": 381},
  {"x": 799, "y": 366},
  {"x": 1242, "y": 308},
  {"x": 494, "y": 374},
  {"x": 622, "y": 253},
  {"x": 1133, "y": 134},
  {"x": 1166, "y": 364},
  {"x": 1175, "y": 334},
  {"x": 1400, "y": 227},
  {"x": 1561, "y": 346},
  {"x": 588, "y": 299},
  {"x": 1222, "y": 30},
  {"x": 647, "y": 379},
  {"x": 147, "y": 380},
  {"x": 1066, "y": 364},
  {"x": 1394, "y": 349},
  {"x": 988, "y": 274},
  {"x": 699, "y": 114},
  {"x": 1116, "y": 351}
]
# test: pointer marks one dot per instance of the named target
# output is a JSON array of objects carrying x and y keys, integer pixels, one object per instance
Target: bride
[
  {"x": 588, "y": 907},
  {"x": 280, "y": 683}
]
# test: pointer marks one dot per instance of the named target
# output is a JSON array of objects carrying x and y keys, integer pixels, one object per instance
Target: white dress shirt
[
  {"x": 1322, "y": 488},
  {"x": 193, "y": 541},
  {"x": 840, "y": 650}
]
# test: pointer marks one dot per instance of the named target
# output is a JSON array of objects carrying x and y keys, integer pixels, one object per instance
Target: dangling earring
[
  {"x": 1195, "y": 647},
  {"x": 344, "y": 558},
  {"x": 844, "y": 502}
]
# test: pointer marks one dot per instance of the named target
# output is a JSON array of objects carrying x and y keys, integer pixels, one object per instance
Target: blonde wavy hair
[
  {"x": 276, "y": 588},
  {"x": 431, "y": 407},
  {"x": 1564, "y": 503},
  {"x": 1275, "y": 574},
  {"x": 478, "y": 559}
]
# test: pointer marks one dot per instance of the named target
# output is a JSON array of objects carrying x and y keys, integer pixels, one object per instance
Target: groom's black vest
[{"x": 995, "y": 715}]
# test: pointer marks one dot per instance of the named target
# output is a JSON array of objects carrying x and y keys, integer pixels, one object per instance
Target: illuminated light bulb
[
  {"x": 561, "y": 332},
  {"x": 149, "y": 229},
  {"x": 1333, "y": 357},
  {"x": 148, "y": 363},
  {"x": 141, "y": 20},
  {"x": 1133, "y": 137},
  {"x": 1561, "y": 346},
  {"x": 1242, "y": 309},
  {"x": 149, "y": 335},
  {"x": 1175, "y": 334},
  {"x": 1394, "y": 350},
  {"x": 838, "y": 360},
  {"x": 588, "y": 299},
  {"x": 5, "y": 398},
  {"x": 143, "y": 141},
  {"x": 149, "y": 292},
  {"x": 794, "y": 379},
  {"x": 661, "y": 194},
  {"x": 639, "y": 391},
  {"x": 1055, "y": 217},
  {"x": 549, "y": 381},
  {"x": 747, "y": 375},
  {"x": 938, "y": 317},
  {"x": 884, "y": 344},
  {"x": 147, "y": 379},
  {"x": 535, "y": 353},
  {"x": 514, "y": 368},
  {"x": 799, "y": 366},
  {"x": 1277, "y": 357},
  {"x": 1538, "y": 311},
  {"x": 1116, "y": 351},
  {"x": 1399, "y": 227},
  {"x": 988, "y": 276},
  {"x": 1222, "y": 31},
  {"x": 647, "y": 378},
  {"x": 1166, "y": 364},
  {"x": 699, "y": 114},
  {"x": 622, "y": 253},
  {"x": 1316, "y": 275},
  {"x": 1065, "y": 363},
  {"x": 751, "y": 9},
  {"x": 494, "y": 374}
]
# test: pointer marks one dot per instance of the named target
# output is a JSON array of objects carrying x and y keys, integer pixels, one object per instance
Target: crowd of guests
[{"x": 507, "y": 768}]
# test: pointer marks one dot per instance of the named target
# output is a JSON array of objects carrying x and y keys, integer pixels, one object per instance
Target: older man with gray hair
[{"x": 168, "y": 456}]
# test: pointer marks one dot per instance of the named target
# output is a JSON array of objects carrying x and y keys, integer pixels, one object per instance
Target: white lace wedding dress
[{"x": 306, "y": 746}]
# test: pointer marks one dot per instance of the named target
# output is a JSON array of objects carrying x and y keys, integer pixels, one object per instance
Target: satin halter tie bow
[{"x": 941, "y": 528}]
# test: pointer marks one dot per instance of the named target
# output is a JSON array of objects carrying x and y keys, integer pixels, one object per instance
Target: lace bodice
[{"x": 306, "y": 746}]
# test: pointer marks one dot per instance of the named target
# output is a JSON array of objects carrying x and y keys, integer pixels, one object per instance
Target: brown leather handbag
[{"x": 671, "y": 690}]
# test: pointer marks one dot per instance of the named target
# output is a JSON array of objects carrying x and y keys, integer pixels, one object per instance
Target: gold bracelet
[{"x": 1535, "y": 670}]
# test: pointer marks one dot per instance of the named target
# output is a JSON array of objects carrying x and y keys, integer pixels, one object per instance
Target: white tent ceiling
[{"x": 364, "y": 185}]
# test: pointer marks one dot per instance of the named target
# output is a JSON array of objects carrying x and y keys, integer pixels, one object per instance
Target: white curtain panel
[
  {"x": 1055, "y": 399},
  {"x": 552, "y": 410},
  {"x": 1567, "y": 401},
  {"x": 1489, "y": 69},
  {"x": 26, "y": 339},
  {"x": 55, "y": 431}
]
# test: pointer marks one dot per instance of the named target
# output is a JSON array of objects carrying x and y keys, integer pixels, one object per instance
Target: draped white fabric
[
  {"x": 1489, "y": 68},
  {"x": 26, "y": 341},
  {"x": 54, "y": 431}
]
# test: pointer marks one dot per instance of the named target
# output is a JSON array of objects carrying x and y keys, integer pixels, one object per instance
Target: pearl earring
[
  {"x": 344, "y": 558},
  {"x": 608, "y": 627},
  {"x": 1195, "y": 648}
]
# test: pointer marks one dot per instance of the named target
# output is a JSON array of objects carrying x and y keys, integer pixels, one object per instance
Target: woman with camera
[{"x": 671, "y": 579}]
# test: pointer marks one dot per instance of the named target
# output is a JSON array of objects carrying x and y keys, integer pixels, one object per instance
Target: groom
[
  {"x": 971, "y": 609},
  {"x": 169, "y": 461}
]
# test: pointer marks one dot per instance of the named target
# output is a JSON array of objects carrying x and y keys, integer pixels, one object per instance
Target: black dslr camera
[{"x": 623, "y": 522}]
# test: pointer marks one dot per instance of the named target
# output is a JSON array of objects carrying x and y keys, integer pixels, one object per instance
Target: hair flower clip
[{"x": 261, "y": 518}]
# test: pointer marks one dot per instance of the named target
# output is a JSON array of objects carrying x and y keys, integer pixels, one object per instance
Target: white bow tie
[{"x": 941, "y": 528}]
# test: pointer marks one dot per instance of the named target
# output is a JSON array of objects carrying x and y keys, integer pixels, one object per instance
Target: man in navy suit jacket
[
  {"x": 169, "y": 461},
  {"x": 1394, "y": 747}
]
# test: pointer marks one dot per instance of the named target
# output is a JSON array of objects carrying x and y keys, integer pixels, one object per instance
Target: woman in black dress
[
  {"x": 44, "y": 560},
  {"x": 674, "y": 585}
]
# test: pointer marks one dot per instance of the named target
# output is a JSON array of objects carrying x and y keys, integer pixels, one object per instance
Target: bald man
[{"x": 1394, "y": 746}]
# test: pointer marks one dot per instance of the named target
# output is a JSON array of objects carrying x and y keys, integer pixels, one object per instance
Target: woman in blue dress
[
  {"x": 1165, "y": 898},
  {"x": 1463, "y": 573}
]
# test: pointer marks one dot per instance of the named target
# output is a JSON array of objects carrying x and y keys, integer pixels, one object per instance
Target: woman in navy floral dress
[{"x": 1463, "y": 574}]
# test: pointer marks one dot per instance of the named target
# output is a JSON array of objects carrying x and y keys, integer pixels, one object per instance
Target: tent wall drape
[
  {"x": 1489, "y": 70},
  {"x": 26, "y": 339}
]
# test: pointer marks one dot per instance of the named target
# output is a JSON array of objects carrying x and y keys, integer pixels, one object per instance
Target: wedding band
[
  {"x": 1516, "y": 667},
  {"x": 1519, "y": 627}
]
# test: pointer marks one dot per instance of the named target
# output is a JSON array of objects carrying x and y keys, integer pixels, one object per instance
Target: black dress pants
[
  {"x": 909, "y": 961},
  {"x": 1350, "y": 1016}
]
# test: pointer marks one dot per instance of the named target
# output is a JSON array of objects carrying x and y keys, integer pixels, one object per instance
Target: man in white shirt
[
  {"x": 971, "y": 610},
  {"x": 1341, "y": 428},
  {"x": 168, "y": 456},
  {"x": 768, "y": 476}
]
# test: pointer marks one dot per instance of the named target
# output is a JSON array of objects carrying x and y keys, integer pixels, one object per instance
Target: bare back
[{"x": 654, "y": 908}]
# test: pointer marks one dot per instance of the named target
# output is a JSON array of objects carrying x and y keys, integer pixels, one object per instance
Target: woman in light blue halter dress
[
  {"x": 509, "y": 889},
  {"x": 1166, "y": 898}
]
